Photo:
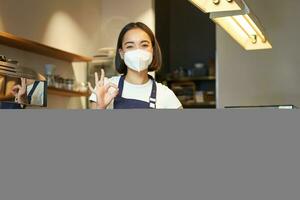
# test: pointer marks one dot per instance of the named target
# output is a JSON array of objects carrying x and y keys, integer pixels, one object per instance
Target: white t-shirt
[{"x": 165, "y": 98}]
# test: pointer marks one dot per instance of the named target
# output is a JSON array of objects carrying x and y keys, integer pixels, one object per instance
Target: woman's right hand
[
  {"x": 103, "y": 91},
  {"x": 20, "y": 92}
]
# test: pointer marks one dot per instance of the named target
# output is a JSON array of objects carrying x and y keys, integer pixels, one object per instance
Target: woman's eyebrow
[
  {"x": 128, "y": 43},
  {"x": 145, "y": 41}
]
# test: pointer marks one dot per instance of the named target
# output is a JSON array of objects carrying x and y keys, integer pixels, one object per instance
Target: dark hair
[{"x": 157, "y": 58}]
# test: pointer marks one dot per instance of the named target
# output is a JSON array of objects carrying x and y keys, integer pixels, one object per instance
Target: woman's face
[{"x": 136, "y": 39}]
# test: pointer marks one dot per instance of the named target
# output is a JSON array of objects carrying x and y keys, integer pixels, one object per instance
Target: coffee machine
[{"x": 103, "y": 59}]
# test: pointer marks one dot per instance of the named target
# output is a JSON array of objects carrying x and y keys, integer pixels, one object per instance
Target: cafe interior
[{"x": 216, "y": 54}]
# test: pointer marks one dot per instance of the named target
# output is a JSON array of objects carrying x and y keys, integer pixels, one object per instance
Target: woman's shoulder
[
  {"x": 163, "y": 87},
  {"x": 165, "y": 90},
  {"x": 166, "y": 97}
]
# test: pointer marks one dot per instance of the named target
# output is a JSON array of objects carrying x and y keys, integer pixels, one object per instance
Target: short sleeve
[
  {"x": 93, "y": 98},
  {"x": 170, "y": 100}
]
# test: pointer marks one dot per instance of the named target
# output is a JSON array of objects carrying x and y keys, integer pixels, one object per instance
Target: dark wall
[
  {"x": 162, "y": 30},
  {"x": 186, "y": 34}
]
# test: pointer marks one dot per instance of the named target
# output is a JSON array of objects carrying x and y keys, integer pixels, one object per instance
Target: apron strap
[
  {"x": 121, "y": 86},
  {"x": 152, "y": 99},
  {"x": 32, "y": 91}
]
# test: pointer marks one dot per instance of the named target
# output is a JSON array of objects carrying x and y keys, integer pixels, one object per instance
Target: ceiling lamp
[
  {"x": 244, "y": 27},
  {"x": 208, "y": 6}
]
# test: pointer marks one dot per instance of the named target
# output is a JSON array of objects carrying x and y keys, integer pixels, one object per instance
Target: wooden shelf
[
  {"x": 35, "y": 47},
  {"x": 200, "y": 78},
  {"x": 66, "y": 93}
]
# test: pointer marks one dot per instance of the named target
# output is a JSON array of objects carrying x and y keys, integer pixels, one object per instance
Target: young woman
[{"x": 138, "y": 53}]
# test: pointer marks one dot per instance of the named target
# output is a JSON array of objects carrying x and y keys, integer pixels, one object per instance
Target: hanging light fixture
[
  {"x": 208, "y": 6},
  {"x": 244, "y": 27}
]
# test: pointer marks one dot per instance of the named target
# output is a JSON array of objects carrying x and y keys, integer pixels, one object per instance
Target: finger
[
  {"x": 113, "y": 95},
  {"x": 114, "y": 85},
  {"x": 106, "y": 80},
  {"x": 110, "y": 85},
  {"x": 90, "y": 87},
  {"x": 16, "y": 87},
  {"x": 102, "y": 77},
  {"x": 23, "y": 81},
  {"x": 13, "y": 92},
  {"x": 96, "y": 78}
]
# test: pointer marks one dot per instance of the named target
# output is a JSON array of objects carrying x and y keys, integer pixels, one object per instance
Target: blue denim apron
[
  {"x": 123, "y": 103},
  {"x": 10, "y": 105}
]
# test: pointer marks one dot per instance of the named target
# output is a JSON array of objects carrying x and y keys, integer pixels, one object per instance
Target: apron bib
[{"x": 123, "y": 103}]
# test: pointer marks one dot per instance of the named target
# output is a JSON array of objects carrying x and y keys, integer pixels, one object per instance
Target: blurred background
[{"x": 202, "y": 64}]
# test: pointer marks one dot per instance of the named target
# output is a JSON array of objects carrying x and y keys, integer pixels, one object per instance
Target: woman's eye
[
  {"x": 129, "y": 47},
  {"x": 145, "y": 45}
]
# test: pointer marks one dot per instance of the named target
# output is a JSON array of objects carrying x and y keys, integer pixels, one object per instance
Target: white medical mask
[{"x": 138, "y": 60}]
